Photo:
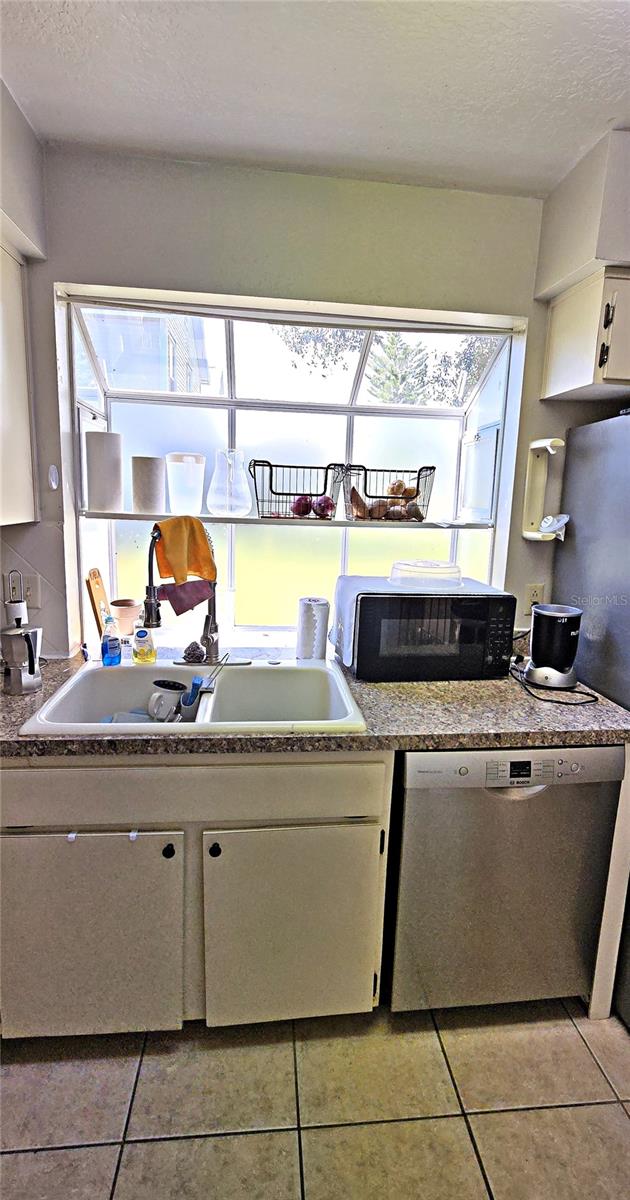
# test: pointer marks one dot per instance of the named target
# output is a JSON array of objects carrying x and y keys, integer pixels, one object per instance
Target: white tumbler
[
  {"x": 103, "y": 458},
  {"x": 148, "y": 484}
]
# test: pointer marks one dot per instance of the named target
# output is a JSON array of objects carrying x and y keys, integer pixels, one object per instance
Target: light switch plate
[{"x": 32, "y": 590}]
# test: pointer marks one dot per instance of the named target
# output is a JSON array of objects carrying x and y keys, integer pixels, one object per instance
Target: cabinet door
[
  {"x": 92, "y": 932},
  {"x": 617, "y": 332},
  {"x": 292, "y": 921},
  {"x": 17, "y": 497}
]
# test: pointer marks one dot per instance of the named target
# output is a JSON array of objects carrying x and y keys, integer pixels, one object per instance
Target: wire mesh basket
[
  {"x": 291, "y": 491},
  {"x": 387, "y": 495}
]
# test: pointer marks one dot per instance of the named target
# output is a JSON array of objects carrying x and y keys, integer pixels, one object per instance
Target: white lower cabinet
[
  {"x": 92, "y": 932},
  {"x": 292, "y": 919},
  {"x": 264, "y": 902}
]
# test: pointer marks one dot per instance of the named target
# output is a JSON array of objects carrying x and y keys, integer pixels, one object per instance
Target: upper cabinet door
[
  {"x": 17, "y": 490},
  {"x": 615, "y": 331},
  {"x": 588, "y": 340},
  {"x": 292, "y": 921},
  {"x": 92, "y": 932}
]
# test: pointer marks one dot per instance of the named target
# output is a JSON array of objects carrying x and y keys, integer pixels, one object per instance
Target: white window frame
[{"x": 368, "y": 318}]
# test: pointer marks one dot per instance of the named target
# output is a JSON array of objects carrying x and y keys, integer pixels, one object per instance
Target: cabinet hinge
[
  {"x": 603, "y": 355},
  {"x": 375, "y": 987},
  {"x": 381, "y": 848},
  {"x": 609, "y": 315}
]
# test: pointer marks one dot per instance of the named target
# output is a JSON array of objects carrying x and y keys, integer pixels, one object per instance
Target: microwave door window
[
  {"x": 421, "y": 629},
  {"x": 438, "y": 637}
]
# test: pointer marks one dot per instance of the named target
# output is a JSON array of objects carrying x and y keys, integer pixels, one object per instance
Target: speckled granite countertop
[{"x": 399, "y": 716}]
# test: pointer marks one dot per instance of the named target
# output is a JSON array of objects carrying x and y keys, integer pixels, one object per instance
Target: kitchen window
[{"x": 386, "y": 394}]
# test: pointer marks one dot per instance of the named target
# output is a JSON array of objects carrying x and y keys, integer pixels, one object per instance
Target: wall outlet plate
[{"x": 535, "y": 595}]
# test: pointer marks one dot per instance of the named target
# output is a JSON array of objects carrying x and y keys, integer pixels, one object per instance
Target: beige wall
[
  {"x": 22, "y": 180},
  {"x": 145, "y": 222}
]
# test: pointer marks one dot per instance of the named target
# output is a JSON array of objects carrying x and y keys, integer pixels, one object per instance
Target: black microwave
[{"x": 390, "y": 637}]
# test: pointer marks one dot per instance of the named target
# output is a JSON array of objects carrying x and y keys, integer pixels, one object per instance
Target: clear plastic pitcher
[
  {"x": 185, "y": 482},
  {"x": 229, "y": 494}
]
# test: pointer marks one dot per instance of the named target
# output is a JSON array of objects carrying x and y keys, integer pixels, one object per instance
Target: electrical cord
[{"x": 589, "y": 697}]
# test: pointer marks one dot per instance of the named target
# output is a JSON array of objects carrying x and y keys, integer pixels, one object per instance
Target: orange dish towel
[{"x": 183, "y": 549}]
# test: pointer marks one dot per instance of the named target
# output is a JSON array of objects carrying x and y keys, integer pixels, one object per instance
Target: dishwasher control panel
[{"x": 513, "y": 768}]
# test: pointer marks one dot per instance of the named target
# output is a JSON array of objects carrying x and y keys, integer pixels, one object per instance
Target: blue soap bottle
[{"x": 111, "y": 651}]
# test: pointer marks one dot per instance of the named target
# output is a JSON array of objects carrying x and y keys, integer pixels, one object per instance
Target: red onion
[
  {"x": 301, "y": 506},
  {"x": 323, "y": 506}
]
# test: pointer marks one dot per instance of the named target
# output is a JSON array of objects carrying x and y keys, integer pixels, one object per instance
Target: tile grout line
[
  {"x": 297, "y": 1114},
  {"x": 464, "y": 1114},
  {"x": 128, "y": 1116},
  {"x": 474, "y": 1112},
  {"x": 590, "y": 1050},
  {"x": 214, "y": 1134},
  {"x": 61, "y": 1146}
]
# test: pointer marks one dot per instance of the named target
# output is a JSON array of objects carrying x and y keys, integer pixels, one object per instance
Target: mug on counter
[{"x": 164, "y": 700}]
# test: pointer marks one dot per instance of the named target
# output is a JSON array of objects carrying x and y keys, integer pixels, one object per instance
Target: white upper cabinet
[
  {"x": 17, "y": 484},
  {"x": 588, "y": 340}
]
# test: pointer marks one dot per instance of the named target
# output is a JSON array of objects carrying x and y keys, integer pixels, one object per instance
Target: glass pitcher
[{"x": 229, "y": 494}]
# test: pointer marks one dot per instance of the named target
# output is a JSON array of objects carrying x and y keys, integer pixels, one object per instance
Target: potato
[
  {"x": 414, "y": 512},
  {"x": 410, "y": 493},
  {"x": 378, "y": 509},
  {"x": 396, "y": 488},
  {"x": 396, "y": 513}
]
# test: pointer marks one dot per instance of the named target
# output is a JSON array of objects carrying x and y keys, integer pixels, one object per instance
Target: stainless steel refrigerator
[{"x": 592, "y": 570}]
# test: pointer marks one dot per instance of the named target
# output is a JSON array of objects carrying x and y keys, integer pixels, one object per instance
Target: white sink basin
[{"x": 290, "y": 697}]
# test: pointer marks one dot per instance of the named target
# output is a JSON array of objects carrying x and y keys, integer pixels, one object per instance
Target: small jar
[{"x": 143, "y": 649}]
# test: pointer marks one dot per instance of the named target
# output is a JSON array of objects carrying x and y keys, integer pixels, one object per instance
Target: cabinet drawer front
[
  {"x": 92, "y": 932},
  {"x": 106, "y": 795},
  {"x": 291, "y": 921}
]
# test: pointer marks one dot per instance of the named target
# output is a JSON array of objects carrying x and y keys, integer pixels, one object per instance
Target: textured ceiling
[{"x": 498, "y": 95}]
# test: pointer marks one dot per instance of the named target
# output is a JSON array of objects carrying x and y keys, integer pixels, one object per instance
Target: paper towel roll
[
  {"x": 312, "y": 627},
  {"x": 103, "y": 455},
  {"x": 148, "y": 484}
]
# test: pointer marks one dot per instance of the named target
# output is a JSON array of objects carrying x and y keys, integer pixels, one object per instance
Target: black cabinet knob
[
  {"x": 168, "y": 850},
  {"x": 215, "y": 850}
]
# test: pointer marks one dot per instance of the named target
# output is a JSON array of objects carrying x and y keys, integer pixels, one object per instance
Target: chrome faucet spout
[
  {"x": 152, "y": 618},
  {"x": 210, "y": 636}
]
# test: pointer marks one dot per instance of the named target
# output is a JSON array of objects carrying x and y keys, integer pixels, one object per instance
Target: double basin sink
[{"x": 257, "y": 698}]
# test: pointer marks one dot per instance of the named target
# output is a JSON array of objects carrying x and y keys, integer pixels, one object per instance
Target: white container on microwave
[{"x": 422, "y": 630}]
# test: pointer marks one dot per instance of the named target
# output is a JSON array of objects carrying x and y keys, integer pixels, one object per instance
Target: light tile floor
[{"x": 517, "y": 1102}]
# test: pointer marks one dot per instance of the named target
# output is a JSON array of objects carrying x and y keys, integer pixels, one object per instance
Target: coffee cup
[{"x": 164, "y": 701}]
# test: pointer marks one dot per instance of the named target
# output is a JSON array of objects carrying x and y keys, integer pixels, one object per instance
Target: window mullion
[
  {"x": 360, "y": 371},
  {"x": 231, "y": 391}
]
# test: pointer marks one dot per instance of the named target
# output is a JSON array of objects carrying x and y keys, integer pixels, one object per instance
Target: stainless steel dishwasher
[{"x": 503, "y": 871}]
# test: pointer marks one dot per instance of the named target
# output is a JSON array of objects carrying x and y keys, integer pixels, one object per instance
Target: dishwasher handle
[{"x": 517, "y": 793}]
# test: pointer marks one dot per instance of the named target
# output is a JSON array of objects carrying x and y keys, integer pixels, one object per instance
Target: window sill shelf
[{"x": 308, "y": 522}]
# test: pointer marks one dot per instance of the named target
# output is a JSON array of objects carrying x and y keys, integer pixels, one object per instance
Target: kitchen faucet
[{"x": 152, "y": 619}]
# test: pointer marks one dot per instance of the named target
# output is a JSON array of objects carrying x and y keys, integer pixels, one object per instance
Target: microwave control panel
[{"x": 499, "y": 636}]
